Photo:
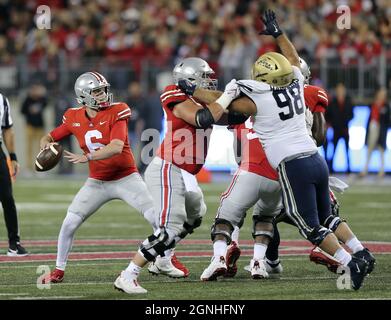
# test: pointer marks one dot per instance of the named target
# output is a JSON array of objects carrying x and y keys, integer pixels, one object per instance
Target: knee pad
[
  {"x": 332, "y": 222},
  {"x": 155, "y": 244},
  {"x": 269, "y": 220},
  {"x": 226, "y": 234},
  {"x": 317, "y": 235}
]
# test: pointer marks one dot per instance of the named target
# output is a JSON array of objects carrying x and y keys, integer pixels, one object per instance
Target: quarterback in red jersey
[{"x": 100, "y": 127}]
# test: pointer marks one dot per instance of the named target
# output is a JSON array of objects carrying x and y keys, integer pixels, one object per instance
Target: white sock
[
  {"x": 342, "y": 256},
  {"x": 354, "y": 244},
  {"x": 132, "y": 271},
  {"x": 219, "y": 248},
  {"x": 259, "y": 251},
  {"x": 235, "y": 235},
  {"x": 65, "y": 238}
]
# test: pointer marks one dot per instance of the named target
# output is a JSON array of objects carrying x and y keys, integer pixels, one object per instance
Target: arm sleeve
[
  {"x": 119, "y": 131},
  {"x": 60, "y": 132}
]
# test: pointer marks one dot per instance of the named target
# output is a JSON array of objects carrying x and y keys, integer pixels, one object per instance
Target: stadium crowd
[{"x": 163, "y": 31}]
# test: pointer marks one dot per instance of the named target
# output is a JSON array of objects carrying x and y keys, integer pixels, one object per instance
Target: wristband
[
  {"x": 224, "y": 100},
  {"x": 89, "y": 156},
  {"x": 13, "y": 156}
]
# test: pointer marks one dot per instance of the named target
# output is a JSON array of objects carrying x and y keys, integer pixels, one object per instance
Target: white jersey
[{"x": 280, "y": 120}]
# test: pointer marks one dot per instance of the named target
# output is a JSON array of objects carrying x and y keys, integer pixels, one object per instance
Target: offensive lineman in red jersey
[
  {"x": 170, "y": 176},
  {"x": 100, "y": 127}
]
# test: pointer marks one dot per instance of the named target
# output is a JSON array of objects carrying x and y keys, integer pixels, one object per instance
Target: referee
[{"x": 6, "y": 197}]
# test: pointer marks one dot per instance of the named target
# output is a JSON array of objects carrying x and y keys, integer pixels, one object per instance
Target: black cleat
[
  {"x": 16, "y": 250},
  {"x": 358, "y": 270},
  {"x": 366, "y": 255}
]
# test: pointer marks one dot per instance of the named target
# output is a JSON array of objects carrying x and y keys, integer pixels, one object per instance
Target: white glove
[
  {"x": 230, "y": 93},
  {"x": 337, "y": 185}
]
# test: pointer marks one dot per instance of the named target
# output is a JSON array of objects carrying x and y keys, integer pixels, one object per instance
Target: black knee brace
[
  {"x": 223, "y": 233},
  {"x": 155, "y": 245},
  {"x": 317, "y": 235},
  {"x": 256, "y": 233}
]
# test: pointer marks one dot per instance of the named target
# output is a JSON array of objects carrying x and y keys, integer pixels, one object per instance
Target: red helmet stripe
[{"x": 98, "y": 76}]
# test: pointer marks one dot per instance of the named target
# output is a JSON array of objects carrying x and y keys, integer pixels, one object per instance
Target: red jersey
[
  {"x": 95, "y": 133},
  {"x": 253, "y": 156},
  {"x": 315, "y": 98},
  {"x": 184, "y": 145}
]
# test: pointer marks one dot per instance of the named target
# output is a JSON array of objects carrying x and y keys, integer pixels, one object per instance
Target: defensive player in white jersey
[{"x": 275, "y": 97}]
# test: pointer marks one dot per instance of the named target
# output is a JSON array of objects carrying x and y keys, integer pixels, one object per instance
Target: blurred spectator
[
  {"x": 338, "y": 115},
  {"x": 231, "y": 58},
  {"x": 32, "y": 109},
  {"x": 61, "y": 103},
  {"x": 378, "y": 124},
  {"x": 137, "y": 103}
]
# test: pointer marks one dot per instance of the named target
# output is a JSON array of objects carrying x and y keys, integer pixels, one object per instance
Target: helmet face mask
[
  {"x": 197, "y": 71},
  {"x": 93, "y": 91},
  {"x": 274, "y": 69}
]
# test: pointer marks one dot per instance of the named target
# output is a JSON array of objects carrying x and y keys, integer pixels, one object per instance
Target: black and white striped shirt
[{"x": 5, "y": 115}]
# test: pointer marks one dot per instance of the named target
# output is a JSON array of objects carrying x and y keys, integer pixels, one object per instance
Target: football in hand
[{"x": 48, "y": 158}]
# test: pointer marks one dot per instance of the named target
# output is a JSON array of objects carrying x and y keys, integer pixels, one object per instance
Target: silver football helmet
[
  {"x": 197, "y": 71},
  {"x": 93, "y": 91},
  {"x": 305, "y": 70}
]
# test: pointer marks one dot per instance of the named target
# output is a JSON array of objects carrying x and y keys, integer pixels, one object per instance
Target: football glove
[
  {"x": 271, "y": 24},
  {"x": 187, "y": 87}
]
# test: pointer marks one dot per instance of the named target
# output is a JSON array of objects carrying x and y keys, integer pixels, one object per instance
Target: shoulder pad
[{"x": 252, "y": 86}]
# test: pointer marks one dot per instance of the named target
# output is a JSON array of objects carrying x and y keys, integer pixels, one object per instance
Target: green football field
[{"x": 105, "y": 242}]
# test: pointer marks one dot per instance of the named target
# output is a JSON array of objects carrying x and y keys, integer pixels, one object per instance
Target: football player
[
  {"x": 100, "y": 127},
  {"x": 275, "y": 97},
  {"x": 254, "y": 183},
  {"x": 171, "y": 174}
]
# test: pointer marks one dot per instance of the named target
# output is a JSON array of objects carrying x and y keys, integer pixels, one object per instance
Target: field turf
[{"x": 116, "y": 229}]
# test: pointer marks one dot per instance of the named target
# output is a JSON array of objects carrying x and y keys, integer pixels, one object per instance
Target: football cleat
[
  {"x": 358, "y": 270},
  {"x": 366, "y": 255},
  {"x": 179, "y": 265},
  {"x": 319, "y": 256},
  {"x": 258, "y": 269},
  {"x": 217, "y": 268},
  {"x": 273, "y": 268},
  {"x": 128, "y": 285},
  {"x": 232, "y": 256},
  {"x": 56, "y": 276},
  {"x": 16, "y": 250},
  {"x": 165, "y": 267}
]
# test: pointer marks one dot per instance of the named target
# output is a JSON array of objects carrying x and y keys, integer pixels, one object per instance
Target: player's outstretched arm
[
  {"x": 112, "y": 149},
  {"x": 273, "y": 29},
  {"x": 200, "y": 94}
]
